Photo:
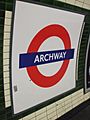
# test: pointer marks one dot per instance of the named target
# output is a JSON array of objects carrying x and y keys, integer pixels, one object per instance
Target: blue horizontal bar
[{"x": 39, "y": 58}]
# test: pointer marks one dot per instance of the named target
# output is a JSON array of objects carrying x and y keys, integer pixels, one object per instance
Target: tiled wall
[
  {"x": 59, "y": 108},
  {"x": 6, "y": 51},
  {"x": 56, "y": 109},
  {"x": 80, "y": 3}
]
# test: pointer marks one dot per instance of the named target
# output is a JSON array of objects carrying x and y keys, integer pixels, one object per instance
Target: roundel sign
[
  {"x": 33, "y": 58},
  {"x": 44, "y": 53}
]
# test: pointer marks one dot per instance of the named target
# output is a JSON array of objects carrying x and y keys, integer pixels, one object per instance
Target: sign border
[
  {"x": 85, "y": 81},
  {"x": 49, "y": 101}
]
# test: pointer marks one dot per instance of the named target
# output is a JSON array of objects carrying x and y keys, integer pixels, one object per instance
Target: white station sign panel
[{"x": 44, "y": 49}]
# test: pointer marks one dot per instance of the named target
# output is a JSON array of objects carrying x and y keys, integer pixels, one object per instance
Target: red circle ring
[{"x": 40, "y": 37}]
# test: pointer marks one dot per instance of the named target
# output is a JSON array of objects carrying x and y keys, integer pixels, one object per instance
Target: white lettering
[
  {"x": 56, "y": 56},
  {"x": 41, "y": 58},
  {"x": 64, "y": 53},
  {"x": 46, "y": 57},
  {"x": 36, "y": 59},
  {"x": 50, "y": 57},
  {"x": 61, "y": 55}
]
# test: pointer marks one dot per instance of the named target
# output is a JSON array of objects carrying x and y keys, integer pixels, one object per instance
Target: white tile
[
  {"x": 25, "y": 118},
  {"x": 77, "y": 92},
  {"x": 60, "y": 110},
  {"x": 41, "y": 111},
  {"x": 41, "y": 116},
  {"x": 28, "y": 117},
  {"x": 82, "y": 97},
  {"x": 5, "y": 61},
  {"x": 6, "y": 35},
  {"x": 7, "y": 92},
  {"x": 33, "y": 119},
  {"x": 8, "y": 21},
  {"x": 52, "y": 115},
  {"x": 86, "y": 6},
  {"x": 82, "y": 100},
  {"x": 77, "y": 95},
  {"x": 45, "y": 118},
  {"x": 53, "y": 118},
  {"x": 51, "y": 106},
  {"x": 6, "y": 80},
  {"x": 7, "y": 104},
  {"x": 86, "y": 97},
  {"x": 68, "y": 97},
  {"x": 60, "y": 102},
  {"x": 79, "y": 4},
  {"x": 87, "y": 1},
  {"x": 49, "y": 111},
  {"x": 6, "y": 86},
  {"x": 70, "y": 2},
  {"x": 80, "y": 91},
  {"x": 59, "y": 115},
  {"x": 63, "y": 112},
  {"x": 7, "y": 98},
  {"x": 5, "y": 55},
  {"x": 7, "y": 42},
  {"x": 8, "y": 14},
  {"x": 74, "y": 94},
  {"x": 75, "y": 103},
  {"x": 89, "y": 94},
  {"x": 6, "y": 68},
  {"x": 6, "y": 74},
  {"x": 7, "y": 28},
  {"x": 59, "y": 106},
  {"x": 68, "y": 109},
  {"x": 61, "y": 0},
  {"x": 6, "y": 49},
  {"x": 68, "y": 101},
  {"x": 80, "y": 0},
  {"x": 68, "y": 106}
]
